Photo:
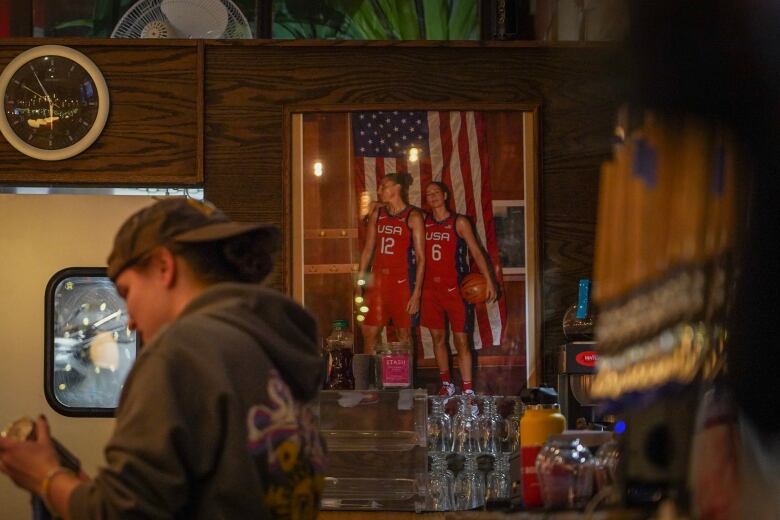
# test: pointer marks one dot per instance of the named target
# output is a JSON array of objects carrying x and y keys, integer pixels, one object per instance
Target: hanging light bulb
[
  {"x": 414, "y": 154},
  {"x": 318, "y": 169}
]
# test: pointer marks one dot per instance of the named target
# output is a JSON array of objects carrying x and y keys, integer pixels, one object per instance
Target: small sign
[{"x": 587, "y": 358}]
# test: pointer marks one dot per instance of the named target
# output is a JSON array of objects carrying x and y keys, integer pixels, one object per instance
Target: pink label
[{"x": 395, "y": 371}]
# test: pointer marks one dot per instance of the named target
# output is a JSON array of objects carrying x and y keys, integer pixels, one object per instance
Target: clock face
[
  {"x": 51, "y": 102},
  {"x": 55, "y": 102}
]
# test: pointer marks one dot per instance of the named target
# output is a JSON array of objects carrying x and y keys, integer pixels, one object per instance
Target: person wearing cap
[{"x": 214, "y": 420}]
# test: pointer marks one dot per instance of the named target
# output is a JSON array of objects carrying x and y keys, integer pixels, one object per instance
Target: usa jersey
[
  {"x": 446, "y": 258},
  {"x": 394, "y": 249}
]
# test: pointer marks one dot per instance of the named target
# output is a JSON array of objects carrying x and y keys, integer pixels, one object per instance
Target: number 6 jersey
[{"x": 446, "y": 253}]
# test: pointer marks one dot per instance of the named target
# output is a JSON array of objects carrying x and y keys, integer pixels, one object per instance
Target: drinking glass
[
  {"x": 565, "y": 469},
  {"x": 490, "y": 427},
  {"x": 606, "y": 463},
  {"x": 439, "y": 427},
  {"x": 440, "y": 485},
  {"x": 469, "y": 486},
  {"x": 498, "y": 484},
  {"x": 466, "y": 429},
  {"x": 510, "y": 439}
]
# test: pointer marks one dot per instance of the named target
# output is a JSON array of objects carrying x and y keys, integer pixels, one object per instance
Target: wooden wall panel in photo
[
  {"x": 153, "y": 132},
  {"x": 249, "y": 85}
]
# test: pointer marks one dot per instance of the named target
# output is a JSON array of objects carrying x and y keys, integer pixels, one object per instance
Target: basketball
[{"x": 474, "y": 288}]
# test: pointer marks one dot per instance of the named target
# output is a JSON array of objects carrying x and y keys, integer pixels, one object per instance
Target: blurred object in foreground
[
  {"x": 666, "y": 227},
  {"x": 668, "y": 212},
  {"x": 715, "y": 457}
]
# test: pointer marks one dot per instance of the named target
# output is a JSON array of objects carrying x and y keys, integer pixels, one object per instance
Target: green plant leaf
[
  {"x": 436, "y": 19},
  {"x": 377, "y": 19},
  {"x": 402, "y": 17},
  {"x": 83, "y": 22},
  {"x": 366, "y": 26},
  {"x": 464, "y": 20}
]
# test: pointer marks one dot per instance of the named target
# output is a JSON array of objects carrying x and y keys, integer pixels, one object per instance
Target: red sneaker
[{"x": 447, "y": 390}]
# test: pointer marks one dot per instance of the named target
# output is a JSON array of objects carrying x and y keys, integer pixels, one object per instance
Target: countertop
[
  {"x": 481, "y": 515},
  {"x": 544, "y": 515}
]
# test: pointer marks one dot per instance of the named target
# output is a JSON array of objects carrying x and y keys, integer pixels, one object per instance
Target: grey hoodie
[{"x": 213, "y": 421}]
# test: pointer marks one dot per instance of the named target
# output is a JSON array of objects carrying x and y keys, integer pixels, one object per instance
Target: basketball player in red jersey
[
  {"x": 448, "y": 237},
  {"x": 394, "y": 250}
]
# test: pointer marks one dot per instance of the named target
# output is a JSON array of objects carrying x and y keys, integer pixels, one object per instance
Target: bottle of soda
[
  {"x": 578, "y": 319},
  {"x": 339, "y": 347}
]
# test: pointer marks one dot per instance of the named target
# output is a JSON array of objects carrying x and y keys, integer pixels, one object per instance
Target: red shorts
[
  {"x": 386, "y": 297},
  {"x": 440, "y": 300}
]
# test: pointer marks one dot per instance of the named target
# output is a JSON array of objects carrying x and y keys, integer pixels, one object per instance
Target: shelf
[{"x": 373, "y": 441}]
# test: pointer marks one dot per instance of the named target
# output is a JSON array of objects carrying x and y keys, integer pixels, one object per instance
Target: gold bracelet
[{"x": 46, "y": 486}]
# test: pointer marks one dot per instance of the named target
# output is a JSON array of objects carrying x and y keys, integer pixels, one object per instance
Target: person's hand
[
  {"x": 491, "y": 292},
  {"x": 414, "y": 304},
  {"x": 28, "y": 462}
]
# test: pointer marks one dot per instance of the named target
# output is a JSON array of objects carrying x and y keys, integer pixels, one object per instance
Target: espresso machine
[{"x": 576, "y": 367}]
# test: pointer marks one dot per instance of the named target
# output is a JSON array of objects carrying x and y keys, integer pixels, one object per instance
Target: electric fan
[{"x": 183, "y": 19}]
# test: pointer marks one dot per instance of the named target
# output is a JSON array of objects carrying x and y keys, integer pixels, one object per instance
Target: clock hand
[
  {"x": 41, "y": 84},
  {"x": 39, "y": 95},
  {"x": 34, "y": 92}
]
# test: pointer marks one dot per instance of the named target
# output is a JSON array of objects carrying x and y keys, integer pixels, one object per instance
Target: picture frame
[{"x": 509, "y": 217}]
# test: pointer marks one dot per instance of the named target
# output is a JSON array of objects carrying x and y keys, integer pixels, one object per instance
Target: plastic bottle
[
  {"x": 541, "y": 419},
  {"x": 340, "y": 347},
  {"x": 578, "y": 319}
]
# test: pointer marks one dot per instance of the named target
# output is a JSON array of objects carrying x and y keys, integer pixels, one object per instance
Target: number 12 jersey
[{"x": 394, "y": 250}]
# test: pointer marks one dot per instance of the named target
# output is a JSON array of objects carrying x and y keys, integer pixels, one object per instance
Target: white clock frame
[{"x": 103, "y": 102}]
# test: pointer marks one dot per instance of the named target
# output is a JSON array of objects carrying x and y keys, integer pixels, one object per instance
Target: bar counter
[{"x": 620, "y": 514}]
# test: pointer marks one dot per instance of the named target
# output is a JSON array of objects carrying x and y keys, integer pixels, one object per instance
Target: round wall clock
[{"x": 55, "y": 102}]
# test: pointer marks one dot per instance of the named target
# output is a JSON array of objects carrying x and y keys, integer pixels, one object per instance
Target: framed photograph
[
  {"x": 337, "y": 162},
  {"x": 509, "y": 218}
]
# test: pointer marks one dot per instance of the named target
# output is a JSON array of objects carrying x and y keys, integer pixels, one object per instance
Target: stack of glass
[{"x": 470, "y": 452}]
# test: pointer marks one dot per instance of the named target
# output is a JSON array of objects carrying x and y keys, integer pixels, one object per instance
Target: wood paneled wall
[
  {"x": 154, "y": 130},
  {"x": 249, "y": 86}
]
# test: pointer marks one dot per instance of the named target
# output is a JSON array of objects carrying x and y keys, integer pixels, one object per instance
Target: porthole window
[{"x": 89, "y": 347}]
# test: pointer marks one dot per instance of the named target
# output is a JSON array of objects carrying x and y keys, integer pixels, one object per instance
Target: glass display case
[
  {"x": 377, "y": 450},
  {"x": 89, "y": 347}
]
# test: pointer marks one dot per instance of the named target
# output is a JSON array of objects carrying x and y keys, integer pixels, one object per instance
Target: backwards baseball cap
[{"x": 174, "y": 219}]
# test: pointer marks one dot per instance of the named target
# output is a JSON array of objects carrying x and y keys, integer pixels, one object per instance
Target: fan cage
[{"x": 146, "y": 12}]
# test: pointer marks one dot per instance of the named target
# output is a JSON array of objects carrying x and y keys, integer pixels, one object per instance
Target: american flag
[{"x": 451, "y": 148}]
